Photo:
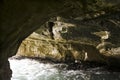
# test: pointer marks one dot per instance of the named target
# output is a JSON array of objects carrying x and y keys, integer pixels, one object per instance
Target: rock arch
[{"x": 19, "y": 18}]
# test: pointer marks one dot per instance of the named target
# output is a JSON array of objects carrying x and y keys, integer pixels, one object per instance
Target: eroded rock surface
[{"x": 71, "y": 40}]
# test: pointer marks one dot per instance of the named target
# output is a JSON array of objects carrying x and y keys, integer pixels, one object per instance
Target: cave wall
[{"x": 19, "y": 18}]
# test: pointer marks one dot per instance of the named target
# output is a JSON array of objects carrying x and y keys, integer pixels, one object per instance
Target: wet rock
[{"x": 5, "y": 71}]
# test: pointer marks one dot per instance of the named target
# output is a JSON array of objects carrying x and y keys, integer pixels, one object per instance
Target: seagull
[{"x": 102, "y": 34}]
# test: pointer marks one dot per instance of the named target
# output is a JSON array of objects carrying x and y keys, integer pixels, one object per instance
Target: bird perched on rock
[{"x": 102, "y": 34}]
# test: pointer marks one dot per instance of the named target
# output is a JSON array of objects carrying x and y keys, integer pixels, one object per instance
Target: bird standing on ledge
[{"x": 103, "y": 35}]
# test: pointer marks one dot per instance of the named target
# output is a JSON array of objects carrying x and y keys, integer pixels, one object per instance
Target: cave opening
[
  {"x": 49, "y": 54},
  {"x": 66, "y": 44}
]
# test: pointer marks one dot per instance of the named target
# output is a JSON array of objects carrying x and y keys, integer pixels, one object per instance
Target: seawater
[{"x": 29, "y": 69}]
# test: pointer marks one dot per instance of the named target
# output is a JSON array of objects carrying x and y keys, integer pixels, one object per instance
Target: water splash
[{"x": 27, "y": 69}]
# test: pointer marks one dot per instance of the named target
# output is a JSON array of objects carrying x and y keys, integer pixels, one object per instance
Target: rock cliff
[{"x": 73, "y": 40}]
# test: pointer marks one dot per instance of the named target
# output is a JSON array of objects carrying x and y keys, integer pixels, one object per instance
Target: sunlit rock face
[{"x": 70, "y": 40}]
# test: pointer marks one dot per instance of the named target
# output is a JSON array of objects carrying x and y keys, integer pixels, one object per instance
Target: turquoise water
[{"x": 28, "y": 69}]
